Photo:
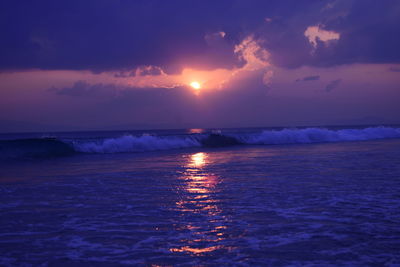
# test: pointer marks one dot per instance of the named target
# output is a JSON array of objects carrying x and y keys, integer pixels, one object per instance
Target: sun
[{"x": 195, "y": 85}]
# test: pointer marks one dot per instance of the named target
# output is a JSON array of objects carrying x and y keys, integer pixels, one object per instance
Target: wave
[
  {"x": 130, "y": 143},
  {"x": 34, "y": 148},
  {"x": 52, "y": 147},
  {"x": 319, "y": 135}
]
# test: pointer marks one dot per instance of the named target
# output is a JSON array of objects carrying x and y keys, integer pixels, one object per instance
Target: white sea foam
[{"x": 129, "y": 143}]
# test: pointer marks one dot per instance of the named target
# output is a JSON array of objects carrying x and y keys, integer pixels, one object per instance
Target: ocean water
[{"x": 237, "y": 197}]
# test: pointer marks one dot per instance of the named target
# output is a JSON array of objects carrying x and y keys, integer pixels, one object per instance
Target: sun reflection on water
[
  {"x": 198, "y": 160},
  {"x": 201, "y": 219}
]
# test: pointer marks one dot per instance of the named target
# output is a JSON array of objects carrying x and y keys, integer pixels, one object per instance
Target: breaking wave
[
  {"x": 129, "y": 143},
  {"x": 52, "y": 147}
]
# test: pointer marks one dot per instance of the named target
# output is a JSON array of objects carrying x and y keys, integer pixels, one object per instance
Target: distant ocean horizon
[{"x": 278, "y": 196}]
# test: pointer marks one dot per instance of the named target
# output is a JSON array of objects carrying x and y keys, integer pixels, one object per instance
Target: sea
[{"x": 305, "y": 196}]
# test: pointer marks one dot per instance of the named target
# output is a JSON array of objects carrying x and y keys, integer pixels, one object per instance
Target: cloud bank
[{"x": 105, "y": 35}]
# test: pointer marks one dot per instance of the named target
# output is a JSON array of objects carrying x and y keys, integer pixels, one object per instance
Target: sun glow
[{"x": 195, "y": 85}]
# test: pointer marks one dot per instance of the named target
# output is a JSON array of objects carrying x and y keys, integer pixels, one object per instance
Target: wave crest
[{"x": 129, "y": 143}]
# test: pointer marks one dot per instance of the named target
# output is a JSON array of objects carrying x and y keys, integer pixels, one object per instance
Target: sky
[{"x": 70, "y": 65}]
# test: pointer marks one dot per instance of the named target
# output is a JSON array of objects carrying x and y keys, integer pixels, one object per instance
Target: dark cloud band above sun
[{"x": 106, "y": 35}]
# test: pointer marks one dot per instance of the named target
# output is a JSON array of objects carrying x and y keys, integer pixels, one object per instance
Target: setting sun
[{"x": 195, "y": 85}]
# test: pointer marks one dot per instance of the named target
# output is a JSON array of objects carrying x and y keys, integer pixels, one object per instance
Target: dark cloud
[
  {"x": 122, "y": 35},
  {"x": 369, "y": 34},
  {"x": 125, "y": 74},
  {"x": 84, "y": 89},
  {"x": 106, "y": 34},
  {"x": 309, "y": 78},
  {"x": 332, "y": 85},
  {"x": 149, "y": 71},
  {"x": 140, "y": 71}
]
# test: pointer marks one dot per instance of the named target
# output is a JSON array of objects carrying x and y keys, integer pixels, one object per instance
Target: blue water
[{"x": 316, "y": 197}]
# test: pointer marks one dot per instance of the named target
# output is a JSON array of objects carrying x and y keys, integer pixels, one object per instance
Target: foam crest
[
  {"x": 129, "y": 143},
  {"x": 319, "y": 135}
]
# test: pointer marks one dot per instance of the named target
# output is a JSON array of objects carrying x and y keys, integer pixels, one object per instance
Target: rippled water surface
[{"x": 316, "y": 204}]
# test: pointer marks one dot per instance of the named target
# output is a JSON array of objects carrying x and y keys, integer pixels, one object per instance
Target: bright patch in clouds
[
  {"x": 314, "y": 33},
  {"x": 249, "y": 51},
  {"x": 253, "y": 54}
]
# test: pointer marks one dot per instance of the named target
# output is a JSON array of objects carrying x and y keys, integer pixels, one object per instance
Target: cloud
[
  {"x": 341, "y": 32},
  {"x": 141, "y": 71},
  {"x": 149, "y": 70},
  {"x": 255, "y": 59},
  {"x": 316, "y": 34},
  {"x": 252, "y": 54},
  {"x": 125, "y": 74},
  {"x": 369, "y": 34},
  {"x": 84, "y": 89},
  {"x": 135, "y": 33},
  {"x": 174, "y": 35},
  {"x": 332, "y": 85}
]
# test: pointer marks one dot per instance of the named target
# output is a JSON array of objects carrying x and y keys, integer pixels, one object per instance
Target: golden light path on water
[{"x": 201, "y": 214}]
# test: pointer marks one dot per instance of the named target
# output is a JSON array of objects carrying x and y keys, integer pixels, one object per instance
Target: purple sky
[{"x": 119, "y": 64}]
